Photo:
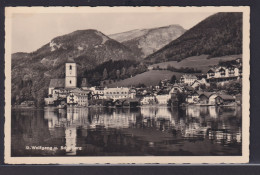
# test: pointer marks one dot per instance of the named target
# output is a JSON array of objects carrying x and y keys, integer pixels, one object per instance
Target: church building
[{"x": 61, "y": 88}]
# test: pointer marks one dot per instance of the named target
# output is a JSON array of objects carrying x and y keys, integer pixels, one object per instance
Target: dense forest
[{"x": 111, "y": 71}]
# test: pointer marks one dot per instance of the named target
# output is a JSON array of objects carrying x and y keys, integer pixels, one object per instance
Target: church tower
[{"x": 71, "y": 74}]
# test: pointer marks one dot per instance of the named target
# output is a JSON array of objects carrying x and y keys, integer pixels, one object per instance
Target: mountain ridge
[
  {"x": 31, "y": 72},
  {"x": 217, "y": 35},
  {"x": 144, "y": 42}
]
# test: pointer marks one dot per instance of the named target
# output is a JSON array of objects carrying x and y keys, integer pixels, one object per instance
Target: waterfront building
[
  {"x": 188, "y": 79},
  {"x": 149, "y": 99},
  {"x": 97, "y": 92},
  {"x": 78, "y": 97},
  {"x": 204, "y": 97},
  {"x": 66, "y": 90},
  {"x": 116, "y": 93},
  {"x": 225, "y": 99},
  {"x": 132, "y": 93},
  {"x": 193, "y": 98},
  {"x": 210, "y": 98},
  {"x": 163, "y": 99}
]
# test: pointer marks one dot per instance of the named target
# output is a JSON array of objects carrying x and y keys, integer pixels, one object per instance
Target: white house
[
  {"x": 163, "y": 99},
  {"x": 193, "y": 98},
  {"x": 149, "y": 99},
  {"x": 150, "y": 67},
  {"x": 78, "y": 97},
  {"x": 188, "y": 79},
  {"x": 197, "y": 83},
  {"x": 97, "y": 92},
  {"x": 116, "y": 93},
  {"x": 224, "y": 72}
]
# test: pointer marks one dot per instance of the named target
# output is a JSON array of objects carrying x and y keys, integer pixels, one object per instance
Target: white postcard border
[{"x": 129, "y": 159}]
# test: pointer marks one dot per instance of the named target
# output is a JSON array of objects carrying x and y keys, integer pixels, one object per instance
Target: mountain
[
  {"x": 31, "y": 72},
  {"x": 217, "y": 35},
  {"x": 144, "y": 42}
]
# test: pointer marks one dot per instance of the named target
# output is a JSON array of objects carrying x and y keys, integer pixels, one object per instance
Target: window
[
  {"x": 70, "y": 67},
  {"x": 70, "y": 81}
]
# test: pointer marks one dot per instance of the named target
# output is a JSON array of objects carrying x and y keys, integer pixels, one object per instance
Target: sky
[{"x": 31, "y": 31}]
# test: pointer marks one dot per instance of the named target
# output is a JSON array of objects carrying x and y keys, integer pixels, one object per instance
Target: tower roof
[{"x": 70, "y": 60}]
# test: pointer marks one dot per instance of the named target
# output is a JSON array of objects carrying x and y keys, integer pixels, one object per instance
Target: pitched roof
[
  {"x": 57, "y": 83},
  {"x": 70, "y": 60},
  {"x": 189, "y": 88},
  {"x": 211, "y": 70},
  {"x": 226, "y": 97},
  {"x": 189, "y": 76},
  {"x": 207, "y": 94}
]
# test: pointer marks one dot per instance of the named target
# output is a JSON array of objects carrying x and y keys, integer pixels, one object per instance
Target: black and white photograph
[{"x": 98, "y": 85}]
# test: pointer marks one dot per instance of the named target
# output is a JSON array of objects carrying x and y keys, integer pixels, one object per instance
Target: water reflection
[{"x": 127, "y": 132}]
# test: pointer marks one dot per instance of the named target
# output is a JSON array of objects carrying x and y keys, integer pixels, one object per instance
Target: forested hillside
[
  {"x": 31, "y": 72},
  {"x": 217, "y": 35}
]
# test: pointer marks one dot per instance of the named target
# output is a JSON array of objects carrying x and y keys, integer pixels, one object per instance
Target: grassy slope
[
  {"x": 199, "y": 62},
  {"x": 153, "y": 77}
]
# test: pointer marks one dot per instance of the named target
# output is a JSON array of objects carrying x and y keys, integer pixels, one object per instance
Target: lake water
[{"x": 146, "y": 131}]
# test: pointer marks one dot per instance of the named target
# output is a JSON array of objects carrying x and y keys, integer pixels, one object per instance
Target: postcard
[{"x": 127, "y": 85}]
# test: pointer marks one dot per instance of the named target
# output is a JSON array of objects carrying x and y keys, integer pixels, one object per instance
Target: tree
[
  {"x": 141, "y": 85},
  {"x": 123, "y": 72},
  {"x": 173, "y": 79},
  {"x": 117, "y": 74},
  {"x": 105, "y": 75},
  {"x": 130, "y": 71}
]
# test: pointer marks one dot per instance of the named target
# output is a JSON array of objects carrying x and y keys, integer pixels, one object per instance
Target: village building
[
  {"x": 197, "y": 83},
  {"x": 132, "y": 93},
  {"x": 150, "y": 67},
  {"x": 97, "y": 92},
  {"x": 116, "y": 93},
  {"x": 210, "y": 98},
  {"x": 28, "y": 103},
  {"x": 149, "y": 99},
  {"x": 62, "y": 88},
  {"x": 163, "y": 99},
  {"x": 193, "y": 98},
  {"x": 204, "y": 97},
  {"x": 176, "y": 89},
  {"x": 224, "y": 99},
  {"x": 78, "y": 97},
  {"x": 221, "y": 73},
  {"x": 188, "y": 79}
]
